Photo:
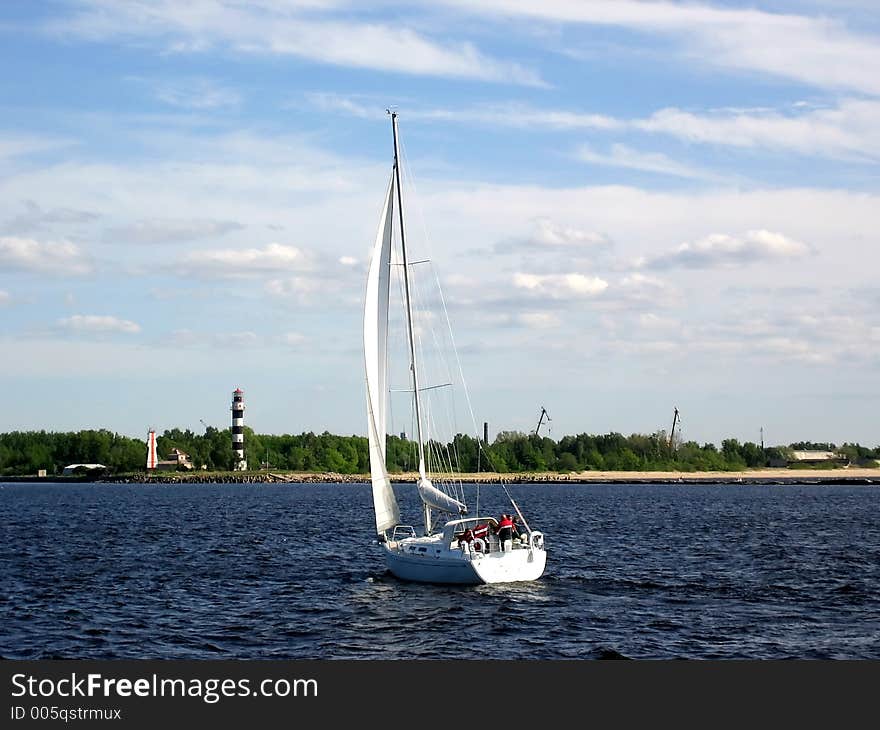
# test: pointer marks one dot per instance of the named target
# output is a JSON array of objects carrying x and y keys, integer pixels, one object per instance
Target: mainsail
[
  {"x": 375, "y": 352},
  {"x": 152, "y": 457}
]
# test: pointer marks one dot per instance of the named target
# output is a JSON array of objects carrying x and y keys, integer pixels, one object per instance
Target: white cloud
[
  {"x": 194, "y": 93},
  {"x": 15, "y": 144},
  {"x": 182, "y": 338},
  {"x": 560, "y": 286},
  {"x": 623, "y": 156},
  {"x": 285, "y": 29},
  {"x": 814, "y": 338},
  {"x": 547, "y": 235},
  {"x": 243, "y": 340},
  {"x": 511, "y": 114},
  {"x": 849, "y": 130},
  {"x": 348, "y": 260},
  {"x": 5, "y": 297},
  {"x": 34, "y": 217},
  {"x": 788, "y": 348},
  {"x": 299, "y": 288},
  {"x": 27, "y": 254},
  {"x": 159, "y": 230},
  {"x": 293, "y": 339},
  {"x": 552, "y": 235},
  {"x": 719, "y": 249},
  {"x": 98, "y": 324},
  {"x": 217, "y": 341},
  {"x": 539, "y": 320},
  {"x": 643, "y": 348},
  {"x": 639, "y": 291},
  {"x": 814, "y": 50},
  {"x": 238, "y": 339},
  {"x": 231, "y": 262},
  {"x": 651, "y": 321},
  {"x": 197, "y": 93}
]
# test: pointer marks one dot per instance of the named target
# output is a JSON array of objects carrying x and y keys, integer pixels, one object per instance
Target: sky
[{"x": 632, "y": 207}]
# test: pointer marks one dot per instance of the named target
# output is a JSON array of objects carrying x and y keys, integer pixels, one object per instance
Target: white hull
[{"x": 426, "y": 560}]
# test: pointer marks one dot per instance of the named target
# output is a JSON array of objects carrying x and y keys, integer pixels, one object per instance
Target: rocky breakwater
[{"x": 238, "y": 478}]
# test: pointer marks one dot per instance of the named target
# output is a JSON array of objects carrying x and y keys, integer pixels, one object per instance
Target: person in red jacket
[{"x": 505, "y": 530}]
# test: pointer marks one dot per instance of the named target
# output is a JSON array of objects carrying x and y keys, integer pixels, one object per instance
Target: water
[{"x": 287, "y": 572}]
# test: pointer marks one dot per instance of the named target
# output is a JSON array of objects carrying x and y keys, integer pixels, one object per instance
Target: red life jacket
[
  {"x": 505, "y": 523},
  {"x": 481, "y": 531}
]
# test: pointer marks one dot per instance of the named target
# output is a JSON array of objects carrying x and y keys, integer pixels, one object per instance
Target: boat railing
[
  {"x": 493, "y": 545},
  {"x": 403, "y": 531}
]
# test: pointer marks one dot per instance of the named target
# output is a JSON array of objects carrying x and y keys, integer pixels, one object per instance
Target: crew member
[{"x": 505, "y": 531}]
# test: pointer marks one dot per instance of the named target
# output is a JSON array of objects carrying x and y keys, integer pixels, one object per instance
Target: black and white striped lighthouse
[{"x": 239, "y": 462}]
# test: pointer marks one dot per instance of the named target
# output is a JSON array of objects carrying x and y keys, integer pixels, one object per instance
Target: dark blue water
[{"x": 288, "y": 572}]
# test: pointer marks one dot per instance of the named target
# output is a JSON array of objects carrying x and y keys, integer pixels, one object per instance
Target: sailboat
[{"x": 468, "y": 550}]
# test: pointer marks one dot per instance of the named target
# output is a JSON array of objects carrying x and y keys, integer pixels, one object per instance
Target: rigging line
[
  {"x": 392, "y": 339},
  {"x": 444, "y": 451},
  {"x": 446, "y": 445},
  {"x": 412, "y": 452},
  {"x": 436, "y": 446},
  {"x": 411, "y": 181},
  {"x": 450, "y": 455},
  {"x": 516, "y": 507},
  {"x": 451, "y": 452},
  {"x": 414, "y": 369},
  {"x": 440, "y": 452}
]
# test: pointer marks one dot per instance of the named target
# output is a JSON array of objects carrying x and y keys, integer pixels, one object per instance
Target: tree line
[{"x": 26, "y": 452}]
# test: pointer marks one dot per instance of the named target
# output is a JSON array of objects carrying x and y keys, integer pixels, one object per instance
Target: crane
[
  {"x": 541, "y": 419},
  {"x": 672, "y": 432}
]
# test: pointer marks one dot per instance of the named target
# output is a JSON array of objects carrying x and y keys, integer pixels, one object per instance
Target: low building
[
  {"x": 177, "y": 460},
  {"x": 817, "y": 457},
  {"x": 74, "y": 469}
]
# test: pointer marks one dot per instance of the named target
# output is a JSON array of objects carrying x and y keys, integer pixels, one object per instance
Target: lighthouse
[
  {"x": 152, "y": 456},
  {"x": 238, "y": 463}
]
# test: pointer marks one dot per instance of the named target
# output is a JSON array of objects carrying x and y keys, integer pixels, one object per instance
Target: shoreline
[{"x": 852, "y": 475}]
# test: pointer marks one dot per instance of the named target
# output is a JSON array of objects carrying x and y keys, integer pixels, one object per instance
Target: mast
[{"x": 409, "y": 319}]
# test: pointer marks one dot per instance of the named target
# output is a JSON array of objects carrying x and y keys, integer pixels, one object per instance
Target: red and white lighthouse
[{"x": 152, "y": 456}]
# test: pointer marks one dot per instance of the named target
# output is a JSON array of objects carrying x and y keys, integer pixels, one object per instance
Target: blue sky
[{"x": 633, "y": 206}]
